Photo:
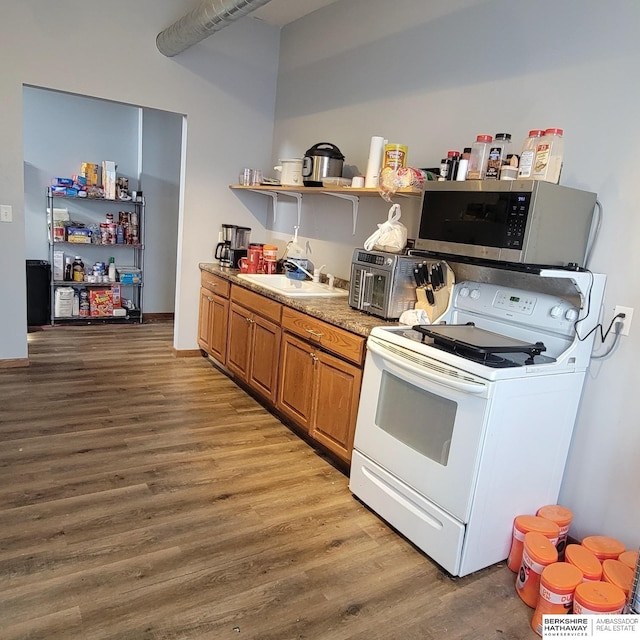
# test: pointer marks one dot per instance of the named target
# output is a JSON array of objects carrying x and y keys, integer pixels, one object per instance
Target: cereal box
[{"x": 101, "y": 302}]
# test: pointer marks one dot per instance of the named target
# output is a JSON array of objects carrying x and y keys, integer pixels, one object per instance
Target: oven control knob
[
  {"x": 464, "y": 292},
  {"x": 571, "y": 315},
  {"x": 475, "y": 293},
  {"x": 556, "y": 312}
]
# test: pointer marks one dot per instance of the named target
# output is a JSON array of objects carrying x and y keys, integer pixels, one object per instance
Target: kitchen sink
[{"x": 294, "y": 288}]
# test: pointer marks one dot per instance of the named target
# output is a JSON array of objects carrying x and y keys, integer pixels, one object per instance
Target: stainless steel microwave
[{"x": 522, "y": 221}]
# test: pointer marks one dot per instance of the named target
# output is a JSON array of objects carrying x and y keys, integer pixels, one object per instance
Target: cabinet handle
[
  {"x": 314, "y": 357},
  {"x": 315, "y": 334},
  {"x": 209, "y": 298},
  {"x": 250, "y": 321}
]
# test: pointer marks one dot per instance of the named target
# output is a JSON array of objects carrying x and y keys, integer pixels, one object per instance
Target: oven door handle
[{"x": 397, "y": 363}]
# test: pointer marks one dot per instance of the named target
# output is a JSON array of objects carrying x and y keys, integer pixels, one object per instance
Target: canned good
[{"x": 395, "y": 156}]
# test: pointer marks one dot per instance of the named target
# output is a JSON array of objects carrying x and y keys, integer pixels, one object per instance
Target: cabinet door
[
  {"x": 218, "y": 314},
  {"x": 212, "y": 324},
  {"x": 204, "y": 319},
  {"x": 264, "y": 357},
  {"x": 295, "y": 388},
  {"x": 239, "y": 343},
  {"x": 336, "y": 394}
]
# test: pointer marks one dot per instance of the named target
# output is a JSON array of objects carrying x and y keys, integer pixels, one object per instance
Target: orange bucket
[
  {"x": 603, "y": 547},
  {"x": 562, "y": 517},
  {"x": 582, "y": 558},
  {"x": 558, "y": 581},
  {"x": 630, "y": 558},
  {"x": 598, "y": 597},
  {"x": 523, "y": 525},
  {"x": 538, "y": 552},
  {"x": 617, "y": 573}
]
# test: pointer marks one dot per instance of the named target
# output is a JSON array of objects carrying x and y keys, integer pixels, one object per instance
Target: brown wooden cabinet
[
  {"x": 318, "y": 390},
  {"x": 310, "y": 370},
  {"x": 253, "y": 348},
  {"x": 214, "y": 311}
]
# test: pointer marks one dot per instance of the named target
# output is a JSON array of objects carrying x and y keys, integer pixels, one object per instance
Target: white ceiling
[{"x": 281, "y": 12}]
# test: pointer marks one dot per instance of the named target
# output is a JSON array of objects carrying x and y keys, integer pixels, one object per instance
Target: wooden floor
[{"x": 144, "y": 497}]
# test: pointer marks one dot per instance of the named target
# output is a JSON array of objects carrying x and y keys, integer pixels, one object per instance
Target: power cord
[{"x": 603, "y": 334}]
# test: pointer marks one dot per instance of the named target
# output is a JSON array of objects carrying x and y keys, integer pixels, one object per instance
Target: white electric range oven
[{"x": 464, "y": 425}]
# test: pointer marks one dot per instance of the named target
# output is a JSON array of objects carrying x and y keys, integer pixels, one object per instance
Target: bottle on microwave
[
  {"x": 498, "y": 151},
  {"x": 478, "y": 157},
  {"x": 528, "y": 154},
  {"x": 549, "y": 156}
]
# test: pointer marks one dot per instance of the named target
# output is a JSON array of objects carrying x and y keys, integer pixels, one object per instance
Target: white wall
[
  {"x": 225, "y": 86},
  {"x": 160, "y": 183},
  {"x": 433, "y": 76}
]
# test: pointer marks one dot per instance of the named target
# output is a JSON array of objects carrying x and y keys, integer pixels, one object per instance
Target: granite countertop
[{"x": 335, "y": 311}]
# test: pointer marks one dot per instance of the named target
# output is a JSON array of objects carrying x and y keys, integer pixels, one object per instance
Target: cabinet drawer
[
  {"x": 214, "y": 284},
  {"x": 334, "y": 339},
  {"x": 261, "y": 305}
]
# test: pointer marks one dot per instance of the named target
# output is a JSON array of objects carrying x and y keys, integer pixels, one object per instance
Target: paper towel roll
[{"x": 376, "y": 150}]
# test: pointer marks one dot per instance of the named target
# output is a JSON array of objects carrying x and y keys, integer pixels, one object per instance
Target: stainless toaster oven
[{"x": 382, "y": 283}]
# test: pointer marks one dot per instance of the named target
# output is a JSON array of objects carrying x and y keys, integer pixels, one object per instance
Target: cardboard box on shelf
[
  {"x": 109, "y": 179},
  {"x": 90, "y": 171},
  {"x": 80, "y": 235},
  {"x": 58, "y": 265},
  {"x": 101, "y": 302}
]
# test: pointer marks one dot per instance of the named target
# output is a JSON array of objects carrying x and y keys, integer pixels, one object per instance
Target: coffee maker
[{"x": 233, "y": 245}]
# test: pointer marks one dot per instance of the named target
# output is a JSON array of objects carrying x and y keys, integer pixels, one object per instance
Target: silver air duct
[{"x": 209, "y": 17}]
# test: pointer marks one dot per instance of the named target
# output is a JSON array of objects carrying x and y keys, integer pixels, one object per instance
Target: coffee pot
[{"x": 233, "y": 245}]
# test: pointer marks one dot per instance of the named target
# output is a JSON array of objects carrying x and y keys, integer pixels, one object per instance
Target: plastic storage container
[
  {"x": 584, "y": 559},
  {"x": 523, "y": 525},
  {"x": 562, "y": 517},
  {"x": 539, "y": 552},
  {"x": 478, "y": 157},
  {"x": 549, "y": 156},
  {"x": 618, "y": 573},
  {"x": 593, "y": 598},
  {"x": 498, "y": 151},
  {"x": 558, "y": 583},
  {"x": 528, "y": 154},
  {"x": 603, "y": 547}
]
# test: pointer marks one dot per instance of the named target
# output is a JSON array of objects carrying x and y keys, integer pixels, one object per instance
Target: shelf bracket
[
  {"x": 274, "y": 196},
  {"x": 355, "y": 200}
]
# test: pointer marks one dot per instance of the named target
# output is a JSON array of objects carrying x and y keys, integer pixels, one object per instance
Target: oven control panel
[
  {"x": 501, "y": 303},
  {"x": 518, "y": 302}
]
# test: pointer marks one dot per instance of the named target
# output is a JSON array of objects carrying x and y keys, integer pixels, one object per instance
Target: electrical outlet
[
  {"x": 626, "y": 321},
  {"x": 6, "y": 213}
]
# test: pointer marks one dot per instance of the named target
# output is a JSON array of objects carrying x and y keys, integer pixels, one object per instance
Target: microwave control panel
[{"x": 517, "y": 219}]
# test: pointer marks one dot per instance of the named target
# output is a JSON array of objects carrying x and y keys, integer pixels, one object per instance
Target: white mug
[{"x": 290, "y": 172}]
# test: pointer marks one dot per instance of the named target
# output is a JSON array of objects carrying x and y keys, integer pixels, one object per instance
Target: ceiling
[{"x": 281, "y": 12}]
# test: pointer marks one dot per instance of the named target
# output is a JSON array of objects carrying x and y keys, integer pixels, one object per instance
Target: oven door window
[
  {"x": 379, "y": 284},
  {"x": 401, "y": 412}
]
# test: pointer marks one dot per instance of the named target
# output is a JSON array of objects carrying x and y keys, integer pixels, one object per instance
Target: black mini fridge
[{"x": 38, "y": 295}]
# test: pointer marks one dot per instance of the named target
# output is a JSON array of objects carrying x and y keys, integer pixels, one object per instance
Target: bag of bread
[{"x": 390, "y": 236}]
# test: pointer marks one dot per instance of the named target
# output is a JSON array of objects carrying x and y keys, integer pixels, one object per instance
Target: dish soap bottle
[{"x": 298, "y": 256}]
